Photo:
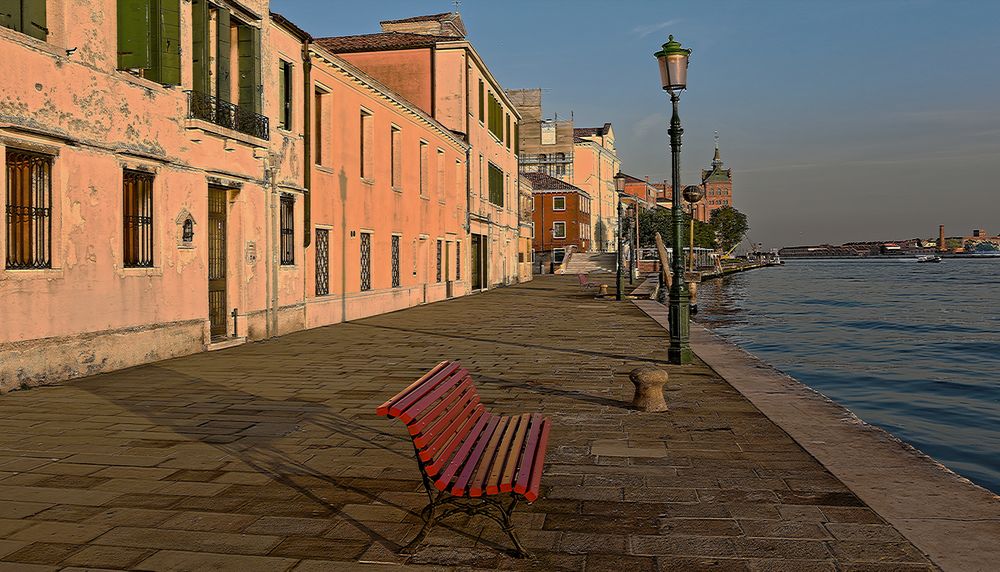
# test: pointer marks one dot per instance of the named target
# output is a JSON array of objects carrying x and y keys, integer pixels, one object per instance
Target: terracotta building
[
  {"x": 429, "y": 62},
  {"x": 718, "y": 187},
  {"x": 217, "y": 177},
  {"x": 562, "y": 216}
]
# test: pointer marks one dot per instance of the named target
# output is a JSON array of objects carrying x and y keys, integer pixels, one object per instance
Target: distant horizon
[{"x": 866, "y": 120}]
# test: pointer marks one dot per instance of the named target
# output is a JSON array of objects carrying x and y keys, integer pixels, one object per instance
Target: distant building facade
[
  {"x": 584, "y": 157},
  {"x": 718, "y": 188},
  {"x": 429, "y": 62},
  {"x": 526, "y": 213},
  {"x": 562, "y": 215}
]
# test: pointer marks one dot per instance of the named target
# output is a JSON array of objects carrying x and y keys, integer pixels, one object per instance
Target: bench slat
[
  {"x": 476, "y": 456},
  {"x": 503, "y": 451},
  {"x": 535, "y": 483},
  {"x": 514, "y": 457},
  {"x": 457, "y": 461},
  {"x": 429, "y": 384},
  {"x": 384, "y": 408},
  {"x": 446, "y": 420},
  {"x": 528, "y": 457},
  {"x": 417, "y": 426},
  {"x": 444, "y": 385},
  {"x": 453, "y": 422},
  {"x": 478, "y": 485},
  {"x": 457, "y": 439}
]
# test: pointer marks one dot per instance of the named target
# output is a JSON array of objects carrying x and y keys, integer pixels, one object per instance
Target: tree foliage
[
  {"x": 730, "y": 226},
  {"x": 660, "y": 220}
]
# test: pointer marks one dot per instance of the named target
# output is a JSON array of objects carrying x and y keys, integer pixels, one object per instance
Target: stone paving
[{"x": 269, "y": 456}]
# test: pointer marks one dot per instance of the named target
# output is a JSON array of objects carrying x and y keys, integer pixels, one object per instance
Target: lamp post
[
  {"x": 673, "y": 62},
  {"x": 692, "y": 194},
  {"x": 620, "y": 189}
]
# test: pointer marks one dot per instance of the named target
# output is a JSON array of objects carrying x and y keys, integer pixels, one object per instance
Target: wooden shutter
[
  {"x": 517, "y": 138},
  {"x": 199, "y": 46},
  {"x": 133, "y": 34},
  {"x": 10, "y": 14},
  {"x": 482, "y": 101},
  {"x": 508, "y": 131},
  {"x": 33, "y": 19},
  {"x": 224, "y": 51},
  {"x": 168, "y": 47},
  {"x": 249, "y": 52}
]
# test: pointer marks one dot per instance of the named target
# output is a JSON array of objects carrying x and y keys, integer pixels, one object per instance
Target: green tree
[
  {"x": 730, "y": 226},
  {"x": 660, "y": 220}
]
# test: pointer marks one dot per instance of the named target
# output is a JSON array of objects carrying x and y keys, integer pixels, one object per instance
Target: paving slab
[{"x": 269, "y": 456}]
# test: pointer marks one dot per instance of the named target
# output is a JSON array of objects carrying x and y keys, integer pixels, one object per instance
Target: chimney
[{"x": 941, "y": 244}]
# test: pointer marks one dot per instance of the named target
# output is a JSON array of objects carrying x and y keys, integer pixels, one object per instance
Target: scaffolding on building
[{"x": 558, "y": 165}]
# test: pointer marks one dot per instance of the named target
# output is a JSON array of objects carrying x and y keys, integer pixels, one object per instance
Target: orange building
[
  {"x": 428, "y": 61},
  {"x": 562, "y": 215},
  {"x": 595, "y": 164},
  {"x": 224, "y": 178}
]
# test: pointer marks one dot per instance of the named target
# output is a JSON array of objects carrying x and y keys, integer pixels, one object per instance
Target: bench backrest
[{"x": 440, "y": 409}]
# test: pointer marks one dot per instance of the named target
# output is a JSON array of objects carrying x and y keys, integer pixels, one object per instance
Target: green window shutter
[
  {"x": 33, "y": 19},
  {"x": 482, "y": 102},
  {"x": 167, "y": 46},
  {"x": 10, "y": 14},
  {"x": 199, "y": 46},
  {"x": 508, "y": 131},
  {"x": 517, "y": 139},
  {"x": 224, "y": 50},
  {"x": 134, "y": 34},
  {"x": 249, "y": 51}
]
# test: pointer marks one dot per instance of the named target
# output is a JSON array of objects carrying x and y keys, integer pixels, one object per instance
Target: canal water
[{"x": 911, "y": 347}]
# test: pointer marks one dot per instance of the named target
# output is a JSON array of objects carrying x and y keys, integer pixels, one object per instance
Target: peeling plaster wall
[{"x": 87, "y": 313}]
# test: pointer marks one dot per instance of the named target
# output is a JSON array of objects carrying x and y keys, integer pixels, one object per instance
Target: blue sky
[{"x": 843, "y": 120}]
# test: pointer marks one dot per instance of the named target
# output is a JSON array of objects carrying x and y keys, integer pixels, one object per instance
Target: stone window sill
[{"x": 213, "y": 129}]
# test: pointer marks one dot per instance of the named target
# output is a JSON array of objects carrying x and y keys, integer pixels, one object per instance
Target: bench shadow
[{"x": 170, "y": 399}]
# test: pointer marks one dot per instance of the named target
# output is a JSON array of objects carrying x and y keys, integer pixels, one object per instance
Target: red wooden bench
[{"x": 471, "y": 460}]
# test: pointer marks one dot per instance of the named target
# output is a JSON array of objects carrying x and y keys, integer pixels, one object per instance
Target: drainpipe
[
  {"x": 307, "y": 144},
  {"x": 268, "y": 248},
  {"x": 273, "y": 253}
]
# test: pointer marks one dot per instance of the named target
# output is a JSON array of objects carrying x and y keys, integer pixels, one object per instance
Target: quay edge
[{"x": 950, "y": 519}]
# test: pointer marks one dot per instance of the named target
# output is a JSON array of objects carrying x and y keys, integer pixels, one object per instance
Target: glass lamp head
[
  {"x": 693, "y": 193},
  {"x": 673, "y": 60}
]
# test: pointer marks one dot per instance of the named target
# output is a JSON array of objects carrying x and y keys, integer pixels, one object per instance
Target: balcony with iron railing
[{"x": 228, "y": 115}]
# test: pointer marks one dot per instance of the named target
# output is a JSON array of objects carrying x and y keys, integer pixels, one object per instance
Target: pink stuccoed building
[{"x": 202, "y": 174}]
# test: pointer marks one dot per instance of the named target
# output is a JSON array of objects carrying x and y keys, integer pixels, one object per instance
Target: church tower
[{"x": 718, "y": 186}]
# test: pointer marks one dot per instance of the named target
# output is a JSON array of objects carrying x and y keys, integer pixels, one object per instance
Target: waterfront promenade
[{"x": 269, "y": 456}]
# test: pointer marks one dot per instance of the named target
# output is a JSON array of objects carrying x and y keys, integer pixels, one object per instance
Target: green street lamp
[
  {"x": 619, "y": 191},
  {"x": 673, "y": 60}
]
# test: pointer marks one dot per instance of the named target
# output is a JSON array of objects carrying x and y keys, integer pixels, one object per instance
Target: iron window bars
[
  {"x": 29, "y": 210},
  {"x": 137, "y": 219}
]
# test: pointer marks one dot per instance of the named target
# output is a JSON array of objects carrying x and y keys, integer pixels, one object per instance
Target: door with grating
[
  {"x": 322, "y": 262},
  {"x": 217, "y": 199}
]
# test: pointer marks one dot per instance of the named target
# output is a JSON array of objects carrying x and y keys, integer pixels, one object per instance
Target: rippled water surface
[{"x": 914, "y": 348}]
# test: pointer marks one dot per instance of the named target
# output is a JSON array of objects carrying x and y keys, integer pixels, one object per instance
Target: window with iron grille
[
  {"x": 287, "y": 230},
  {"x": 439, "y": 261},
  {"x": 366, "y": 261},
  {"x": 395, "y": 262},
  {"x": 458, "y": 260},
  {"x": 322, "y": 262},
  {"x": 137, "y": 216},
  {"x": 29, "y": 210}
]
